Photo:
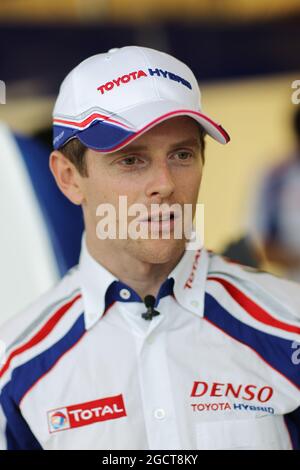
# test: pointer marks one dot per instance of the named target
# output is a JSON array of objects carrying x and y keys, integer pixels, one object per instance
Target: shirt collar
[
  {"x": 190, "y": 278},
  {"x": 100, "y": 288},
  {"x": 94, "y": 280}
]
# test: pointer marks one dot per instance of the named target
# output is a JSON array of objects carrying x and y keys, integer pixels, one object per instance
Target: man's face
[{"x": 163, "y": 166}]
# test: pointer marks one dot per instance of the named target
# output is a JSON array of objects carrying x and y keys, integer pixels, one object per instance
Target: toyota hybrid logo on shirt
[{"x": 227, "y": 396}]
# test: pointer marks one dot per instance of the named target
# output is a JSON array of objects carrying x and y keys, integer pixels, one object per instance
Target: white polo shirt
[{"x": 217, "y": 369}]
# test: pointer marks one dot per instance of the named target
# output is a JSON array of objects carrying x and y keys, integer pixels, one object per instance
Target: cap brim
[{"x": 111, "y": 135}]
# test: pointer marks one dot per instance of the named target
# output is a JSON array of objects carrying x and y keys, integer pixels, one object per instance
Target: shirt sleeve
[
  {"x": 15, "y": 434},
  {"x": 3, "y": 442},
  {"x": 292, "y": 421}
]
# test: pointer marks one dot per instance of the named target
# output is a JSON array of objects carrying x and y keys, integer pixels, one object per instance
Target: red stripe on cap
[
  {"x": 40, "y": 335},
  {"x": 252, "y": 308},
  {"x": 88, "y": 120},
  {"x": 163, "y": 117}
]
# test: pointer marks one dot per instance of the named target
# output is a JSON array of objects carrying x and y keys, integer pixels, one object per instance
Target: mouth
[{"x": 160, "y": 217}]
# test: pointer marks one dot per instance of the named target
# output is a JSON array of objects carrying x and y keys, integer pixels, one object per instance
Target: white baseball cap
[{"x": 110, "y": 99}]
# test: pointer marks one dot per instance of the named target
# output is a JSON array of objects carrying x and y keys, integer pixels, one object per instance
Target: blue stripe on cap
[
  {"x": 101, "y": 136},
  {"x": 61, "y": 135}
]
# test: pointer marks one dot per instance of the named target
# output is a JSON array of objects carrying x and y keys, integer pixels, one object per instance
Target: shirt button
[
  {"x": 125, "y": 294},
  {"x": 159, "y": 413},
  {"x": 195, "y": 303}
]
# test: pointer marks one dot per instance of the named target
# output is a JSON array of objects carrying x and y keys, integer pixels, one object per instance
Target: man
[{"x": 210, "y": 360}]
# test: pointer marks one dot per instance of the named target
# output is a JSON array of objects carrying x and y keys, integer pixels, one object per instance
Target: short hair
[{"x": 74, "y": 151}]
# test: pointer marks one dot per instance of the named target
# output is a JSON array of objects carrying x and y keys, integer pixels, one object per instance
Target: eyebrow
[{"x": 192, "y": 142}]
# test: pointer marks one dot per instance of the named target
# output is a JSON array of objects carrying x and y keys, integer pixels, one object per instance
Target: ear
[{"x": 67, "y": 177}]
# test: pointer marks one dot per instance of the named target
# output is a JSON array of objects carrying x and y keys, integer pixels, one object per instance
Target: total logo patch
[{"x": 83, "y": 414}]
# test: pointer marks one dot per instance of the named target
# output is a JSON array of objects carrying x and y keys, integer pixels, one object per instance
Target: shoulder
[
  {"x": 257, "y": 311},
  {"x": 243, "y": 283},
  {"x": 42, "y": 323}
]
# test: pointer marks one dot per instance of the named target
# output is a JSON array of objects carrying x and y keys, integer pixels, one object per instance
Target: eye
[
  {"x": 183, "y": 155},
  {"x": 129, "y": 161}
]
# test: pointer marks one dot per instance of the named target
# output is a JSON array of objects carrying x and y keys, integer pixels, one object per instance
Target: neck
[{"x": 142, "y": 276}]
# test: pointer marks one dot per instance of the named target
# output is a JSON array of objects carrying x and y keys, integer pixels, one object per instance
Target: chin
[{"x": 159, "y": 251}]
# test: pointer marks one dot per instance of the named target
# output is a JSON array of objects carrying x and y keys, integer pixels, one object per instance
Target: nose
[{"x": 161, "y": 182}]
